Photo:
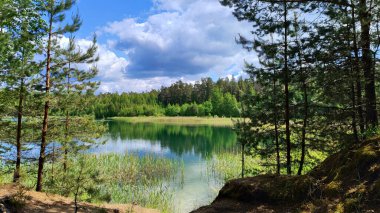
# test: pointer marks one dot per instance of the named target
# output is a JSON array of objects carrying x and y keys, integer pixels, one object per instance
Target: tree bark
[
  {"x": 305, "y": 119},
  {"x": 355, "y": 72},
  {"x": 369, "y": 75},
  {"x": 358, "y": 74},
  {"x": 16, "y": 175},
  {"x": 305, "y": 107},
  {"x": 67, "y": 124},
  {"x": 66, "y": 137},
  {"x": 41, "y": 159},
  {"x": 286, "y": 79},
  {"x": 276, "y": 135},
  {"x": 242, "y": 160}
]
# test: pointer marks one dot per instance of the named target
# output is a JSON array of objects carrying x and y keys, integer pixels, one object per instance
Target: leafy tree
[
  {"x": 172, "y": 110},
  {"x": 230, "y": 107},
  {"x": 217, "y": 101}
]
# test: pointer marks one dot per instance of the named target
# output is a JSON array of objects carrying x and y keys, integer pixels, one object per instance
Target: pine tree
[
  {"x": 25, "y": 33},
  {"x": 55, "y": 12},
  {"x": 75, "y": 84}
]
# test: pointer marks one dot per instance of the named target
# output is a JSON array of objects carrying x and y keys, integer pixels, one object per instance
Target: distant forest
[{"x": 204, "y": 98}]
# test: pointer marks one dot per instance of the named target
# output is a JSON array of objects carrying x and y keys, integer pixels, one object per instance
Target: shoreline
[{"x": 186, "y": 121}]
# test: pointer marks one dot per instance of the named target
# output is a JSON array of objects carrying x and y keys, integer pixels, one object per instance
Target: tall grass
[
  {"x": 131, "y": 179},
  {"x": 227, "y": 166},
  {"x": 111, "y": 178}
]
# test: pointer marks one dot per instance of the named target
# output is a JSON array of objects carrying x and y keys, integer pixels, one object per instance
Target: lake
[{"x": 192, "y": 145}]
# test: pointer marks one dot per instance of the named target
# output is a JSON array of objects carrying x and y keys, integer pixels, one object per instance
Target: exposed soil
[
  {"x": 348, "y": 181},
  {"x": 16, "y": 199}
]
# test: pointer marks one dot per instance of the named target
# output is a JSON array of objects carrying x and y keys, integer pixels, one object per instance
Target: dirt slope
[
  {"x": 348, "y": 181},
  {"x": 14, "y": 199}
]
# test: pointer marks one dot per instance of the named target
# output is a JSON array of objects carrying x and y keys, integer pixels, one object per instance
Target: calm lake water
[{"x": 193, "y": 145}]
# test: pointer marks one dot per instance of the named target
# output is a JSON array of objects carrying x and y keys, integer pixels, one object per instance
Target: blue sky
[
  {"x": 145, "y": 44},
  {"x": 98, "y": 13}
]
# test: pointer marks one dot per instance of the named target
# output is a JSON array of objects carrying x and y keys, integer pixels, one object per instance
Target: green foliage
[
  {"x": 126, "y": 104},
  {"x": 204, "y": 98},
  {"x": 224, "y": 104},
  {"x": 172, "y": 110}
]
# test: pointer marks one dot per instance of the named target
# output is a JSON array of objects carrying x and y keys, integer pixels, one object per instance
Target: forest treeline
[{"x": 203, "y": 98}]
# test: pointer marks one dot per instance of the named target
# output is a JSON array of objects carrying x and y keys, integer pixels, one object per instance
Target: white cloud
[
  {"x": 112, "y": 68},
  {"x": 112, "y": 74},
  {"x": 183, "y": 38}
]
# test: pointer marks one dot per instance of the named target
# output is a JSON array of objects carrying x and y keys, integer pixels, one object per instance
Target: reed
[{"x": 112, "y": 178}]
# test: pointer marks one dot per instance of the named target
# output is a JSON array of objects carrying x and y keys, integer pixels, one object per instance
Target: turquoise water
[{"x": 192, "y": 145}]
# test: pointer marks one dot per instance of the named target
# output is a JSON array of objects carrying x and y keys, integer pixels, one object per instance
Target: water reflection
[
  {"x": 180, "y": 140},
  {"x": 192, "y": 145}
]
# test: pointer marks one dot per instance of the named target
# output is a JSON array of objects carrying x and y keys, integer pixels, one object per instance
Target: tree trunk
[
  {"x": 41, "y": 159},
  {"x": 355, "y": 71},
  {"x": 305, "y": 107},
  {"x": 354, "y": 128},
  {"x": 286, "y": 79},
  {"x": 67, "y": 123},
  {"x": 16, "y": 175},
  {"x": 369, "y": 75},
  {"x": 303, "y": 139},
  {"x": 242, "y": 160},
  {"x": 358, "y": 74},
  {"x": 278, "y": 165},
  {"x": 305, "y": 103},
  {"x": 66, "y": 138}
]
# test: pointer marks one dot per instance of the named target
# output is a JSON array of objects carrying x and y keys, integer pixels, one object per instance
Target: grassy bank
[
  {"x": 210, "y": 121},
  {"x": 110, "y": 178}
]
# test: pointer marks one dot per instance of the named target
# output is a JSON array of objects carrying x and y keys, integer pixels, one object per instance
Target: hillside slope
[{"x": 348, "y": 181}]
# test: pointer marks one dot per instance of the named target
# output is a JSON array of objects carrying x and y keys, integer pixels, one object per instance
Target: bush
[{"x": 172, "y": 110}]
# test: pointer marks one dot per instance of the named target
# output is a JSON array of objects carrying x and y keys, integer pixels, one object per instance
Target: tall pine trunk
[
  {"x": 276, "y": 134},
  {"x": 41, "y": 159},
  {"x": 358, "y": 74},
  {"x": 67, "y": 123},
  {"x": 304, "y": 126},
  {"x": 369, "y": 75},
  {"x": 286, "y": 79},
  {"x": 66, "y": 138},
  {"x": 354, "y": 70},
  {"x": 278, "y": 164},
  {"x": 16, "y": 175},
  {"x": 305, "y": 105}
]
